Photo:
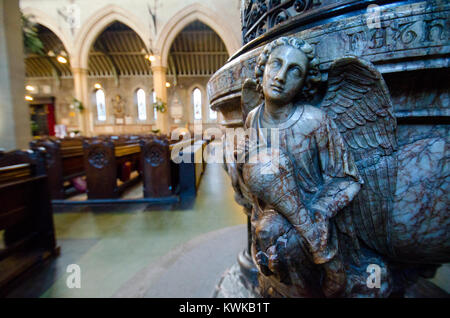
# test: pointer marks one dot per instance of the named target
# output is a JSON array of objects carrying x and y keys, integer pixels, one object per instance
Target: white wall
[{"x": 64, "y": 92}]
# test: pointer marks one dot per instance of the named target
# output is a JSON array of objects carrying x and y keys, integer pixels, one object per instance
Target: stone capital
[
  {"x": 159, "y": 69},
  {"x": 79, "y": 71}
]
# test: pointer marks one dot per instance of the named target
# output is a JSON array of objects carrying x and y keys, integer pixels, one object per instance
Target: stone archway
[
  {"x": 188, "y": 15},
  {"x": 95, "y": 25},
  {"x": 45, "y": 20}
]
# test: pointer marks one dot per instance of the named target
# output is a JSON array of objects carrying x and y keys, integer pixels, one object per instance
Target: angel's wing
[
  {"x": 250, "y": 97},
  {"x": 359, "y": 102}
]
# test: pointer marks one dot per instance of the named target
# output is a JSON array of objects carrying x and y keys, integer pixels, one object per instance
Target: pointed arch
[
  {"x": 188, "y": 15},
  {"x": 98, "y": 22},
  {"x": 47, "y": 21}
]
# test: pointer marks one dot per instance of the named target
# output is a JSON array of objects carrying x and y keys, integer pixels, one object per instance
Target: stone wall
[{"x": 63, "y": 92}]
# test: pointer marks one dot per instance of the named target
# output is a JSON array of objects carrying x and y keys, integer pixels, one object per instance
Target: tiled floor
[
  {"x": 134, "y": 192},
  {"x": 112, "y": 243}
]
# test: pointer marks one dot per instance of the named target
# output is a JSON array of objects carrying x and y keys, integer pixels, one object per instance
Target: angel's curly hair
[{"x": 313, "y": 76}]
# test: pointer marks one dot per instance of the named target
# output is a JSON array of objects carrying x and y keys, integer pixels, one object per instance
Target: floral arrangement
[
  {"x": 159, "y": 105},
  {"x": 77, "y": 104}
]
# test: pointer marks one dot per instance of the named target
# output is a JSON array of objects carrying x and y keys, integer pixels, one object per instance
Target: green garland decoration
[{"x": 31, "y": 41}]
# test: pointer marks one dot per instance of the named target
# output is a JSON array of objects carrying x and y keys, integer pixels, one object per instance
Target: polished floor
[{"x": 111, "y": 244}]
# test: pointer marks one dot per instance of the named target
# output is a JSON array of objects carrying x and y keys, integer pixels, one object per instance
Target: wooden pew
[
  {"x": 157, "y": 174},
  {"x": 190, "y": 172},
  {"x": 65, "y": 161},
  {"x": 26, "y": 216},
  {"x": 105, "y": 157},
  {"x": 160, "y": 173},
  {"x": 164, "y": 176},
  {"x": 106, "y": 161}
]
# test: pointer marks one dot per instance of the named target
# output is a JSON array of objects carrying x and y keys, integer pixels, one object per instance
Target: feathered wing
[
  {"x": 250, "y": 97},
  {"x": 359, "y": 102}
]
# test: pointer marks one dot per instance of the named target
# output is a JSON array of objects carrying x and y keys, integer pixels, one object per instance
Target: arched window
[
  {"x": 101, "y": 104},
  {"x": 155, "y": 111},
  {"x": 141, "y": 104},
  {"x": 197, "y": 100}
]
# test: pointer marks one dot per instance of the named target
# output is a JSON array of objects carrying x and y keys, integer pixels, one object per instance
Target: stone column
[
  {"x": 15, "y": 126},
  {"x": 81, "y": 90},
  {"x": 159, "y": 85}
]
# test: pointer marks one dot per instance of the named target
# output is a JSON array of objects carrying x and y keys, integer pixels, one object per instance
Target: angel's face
[{"x": 284, "y": 74}]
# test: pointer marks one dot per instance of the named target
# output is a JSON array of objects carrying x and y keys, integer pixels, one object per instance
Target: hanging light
[
  {"x": 61, "y": 59},
  {"x": 28, "y": 98},
  {"x": 150, "y": 57},
  {"x": 30, "y": 88},
  {"x": 97, "y": 85},
  {"x": 167, "y": 84}
]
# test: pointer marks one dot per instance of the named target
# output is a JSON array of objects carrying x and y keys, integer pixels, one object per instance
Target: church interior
[
  {"x": 97, "y": 97},
  {"x": 105, "y": 74}
]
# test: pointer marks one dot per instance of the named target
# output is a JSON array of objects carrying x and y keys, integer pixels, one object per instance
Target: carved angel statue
[{"x": 330, "y": 216}]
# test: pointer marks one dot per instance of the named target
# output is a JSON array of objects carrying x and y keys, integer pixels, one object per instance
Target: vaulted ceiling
[
  {"x": 197, "y": 51},
  {"x": 118, "y": 51}
]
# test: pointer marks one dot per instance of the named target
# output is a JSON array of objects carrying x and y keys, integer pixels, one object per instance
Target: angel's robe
[{"x": 326, "y": 176}]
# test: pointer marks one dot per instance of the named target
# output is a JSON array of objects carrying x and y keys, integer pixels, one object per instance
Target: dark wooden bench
[
  {"x": 190, "y": 173},
  {"x": 157, "y": 174},
  {"x": 108, "y": 163},
  {"x": 65, "y": 161},
  {"x": 26, "y": 217},
  {"x": 163, "y": 176}
]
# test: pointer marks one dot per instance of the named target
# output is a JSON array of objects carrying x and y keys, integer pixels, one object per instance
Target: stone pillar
[
  {"x": 159, "y": 85},
  {"x": 81, "y": 90},
  {"x": 15, "y": 126}
]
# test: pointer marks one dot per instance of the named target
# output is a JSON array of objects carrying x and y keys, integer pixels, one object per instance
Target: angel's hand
[
  {"x": 319, "y": 213},
  {"x": 313, "y": 226},
  {"x": 321, "y": 222}
]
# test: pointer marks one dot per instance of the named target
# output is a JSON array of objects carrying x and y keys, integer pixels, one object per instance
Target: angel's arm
[{"x": 342, "y": 181}]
